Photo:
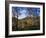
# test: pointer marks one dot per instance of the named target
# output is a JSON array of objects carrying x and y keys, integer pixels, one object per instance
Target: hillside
[{"x": 28, "y": 23}]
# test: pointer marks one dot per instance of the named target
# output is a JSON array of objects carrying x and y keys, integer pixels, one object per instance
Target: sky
[{"x": 23, "y": 12}]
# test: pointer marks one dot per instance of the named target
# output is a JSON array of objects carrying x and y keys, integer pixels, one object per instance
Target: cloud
[{"x": 23, "y": 12}]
